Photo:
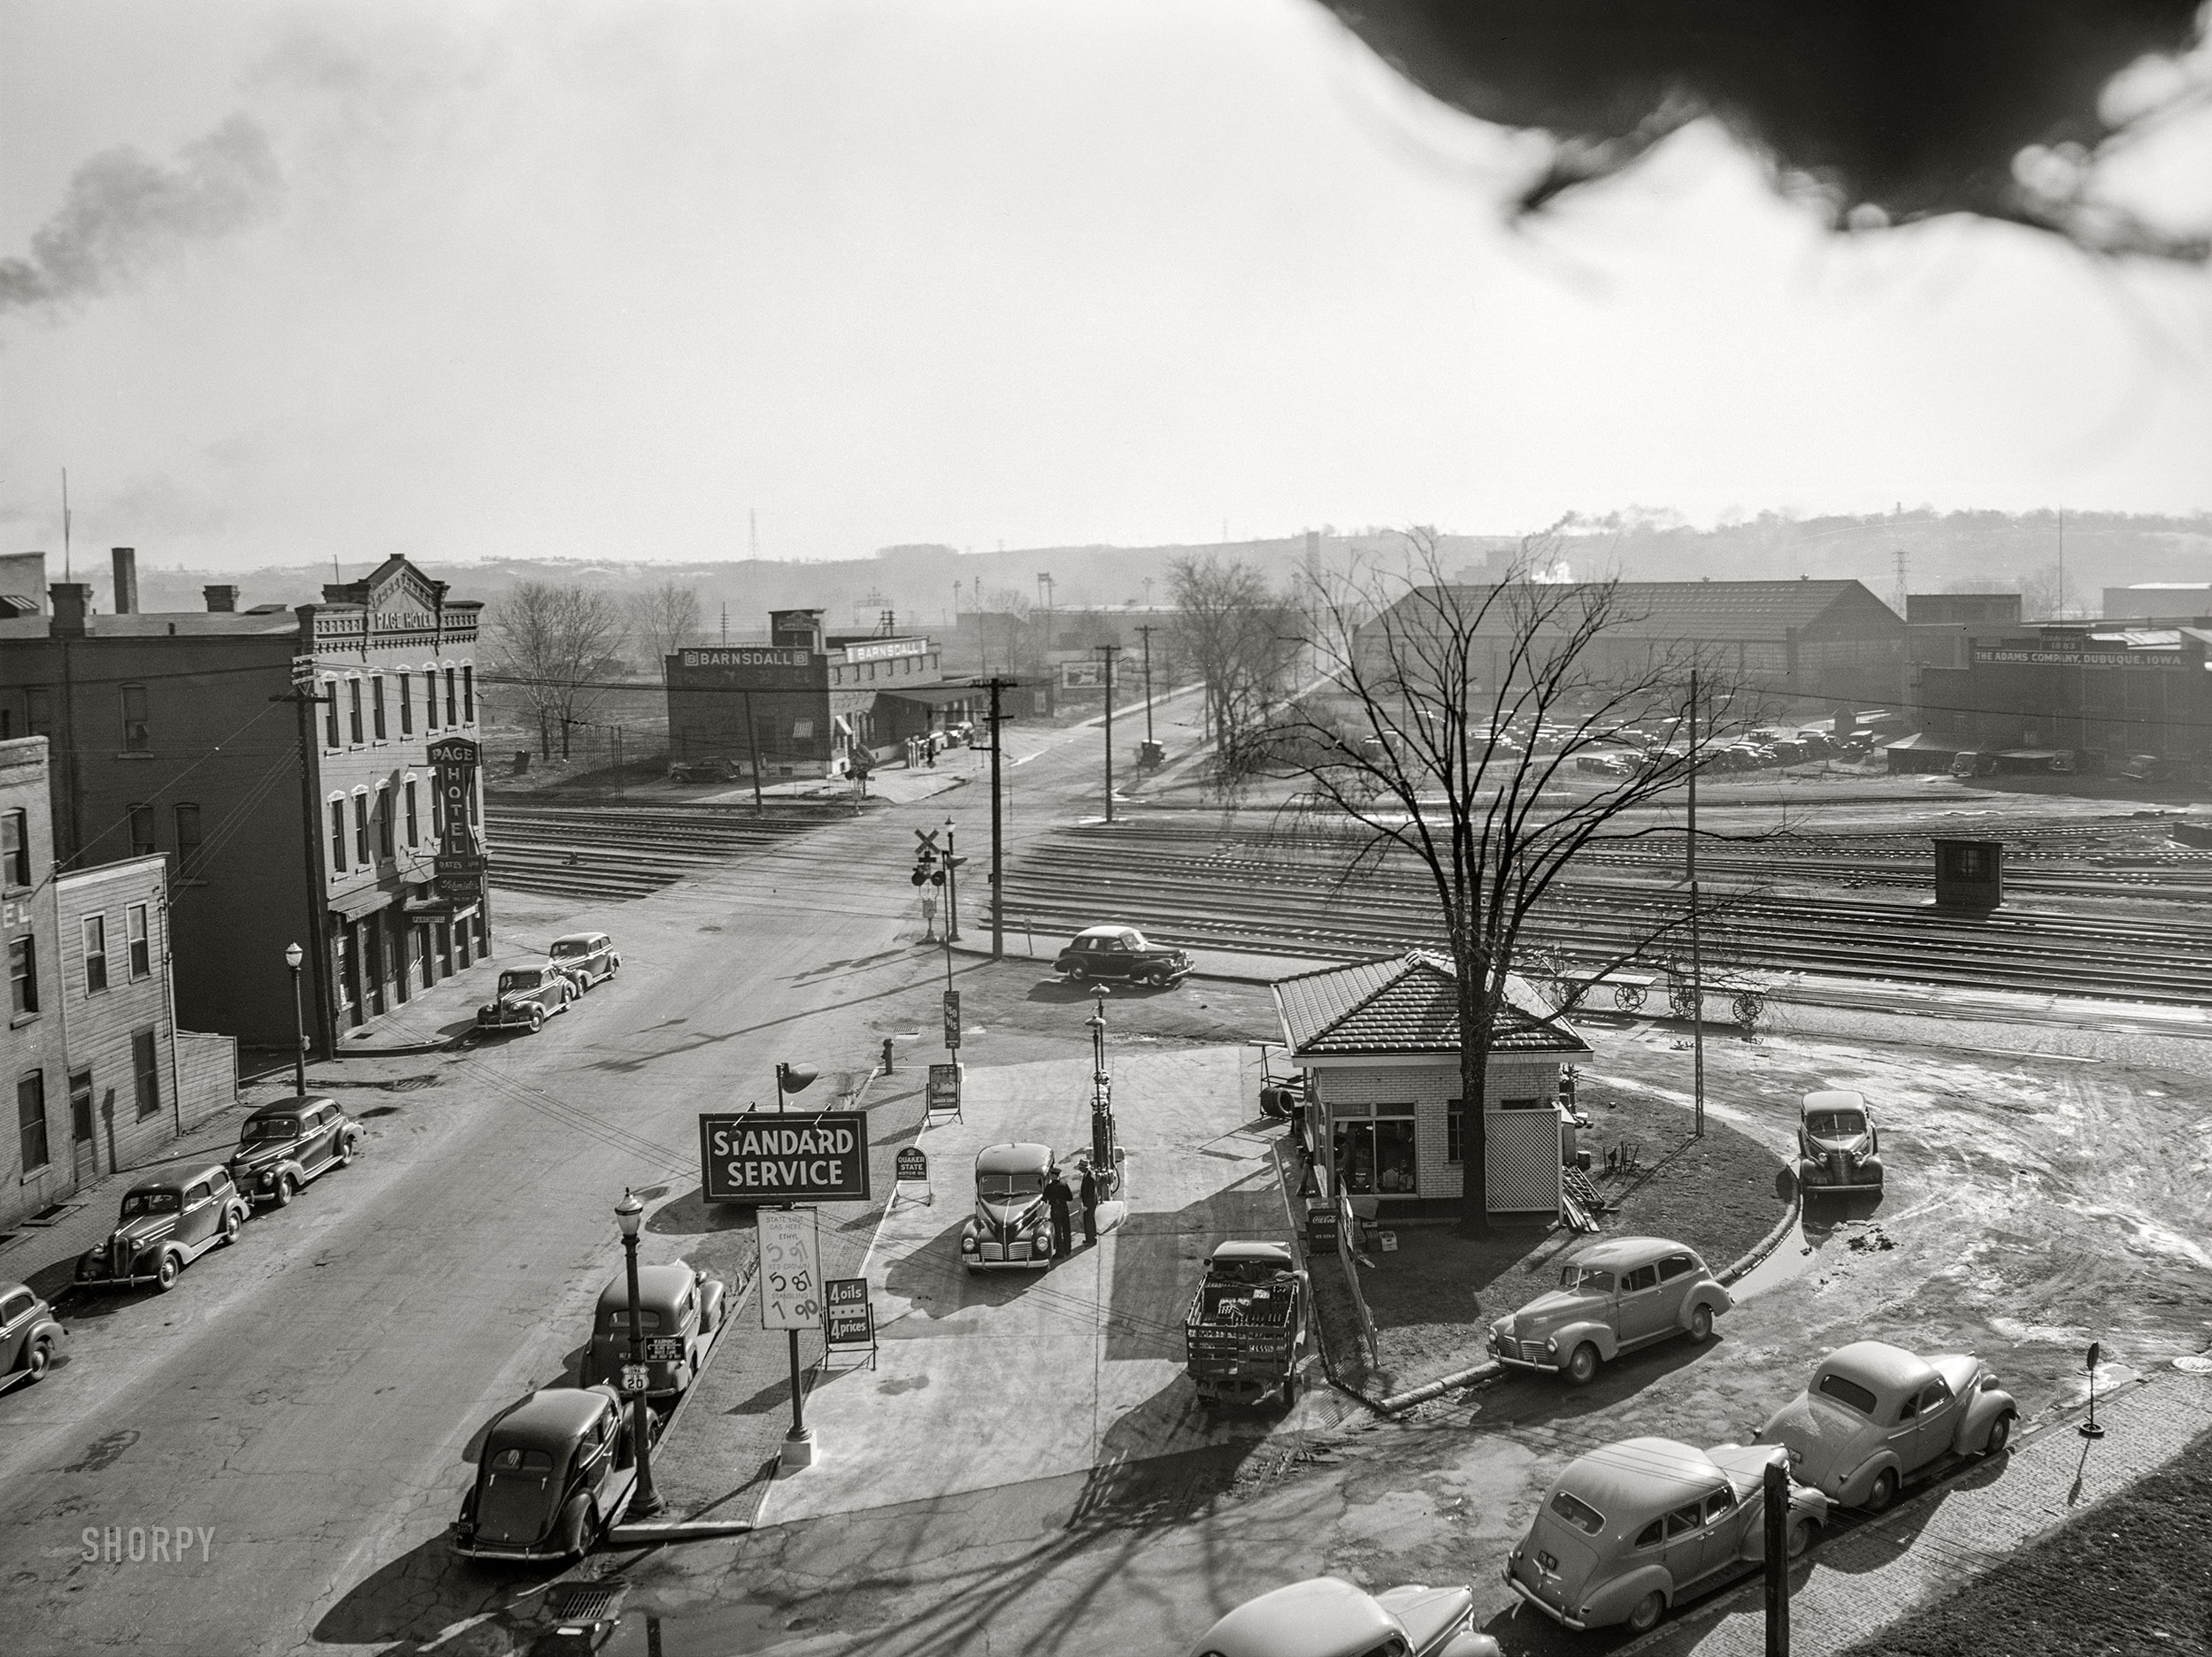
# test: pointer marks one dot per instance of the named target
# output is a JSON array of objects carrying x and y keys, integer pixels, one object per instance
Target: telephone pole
[
  {"x": 1697, "y": 958},
  {"x": 1145, "y": 633},
  {"x": 1109, "y": 651},
  {"x": 998, "y": 887}
]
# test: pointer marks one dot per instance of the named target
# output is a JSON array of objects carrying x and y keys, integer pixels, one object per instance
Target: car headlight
[
  {"x": 1552, "y": 1345},
  {"x": 967, "y": 1244}
]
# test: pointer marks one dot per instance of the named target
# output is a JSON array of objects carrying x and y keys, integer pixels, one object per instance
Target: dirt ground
[{"x": 1433, "y": 1298}]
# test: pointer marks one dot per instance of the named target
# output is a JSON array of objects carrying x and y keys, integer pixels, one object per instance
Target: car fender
[
  {"x": 1708, "y": 1293},
  {"x": 1980, "y": 1415},
  {"x": 1467, "y": 1643},
  {"x": 710, "y": 1298},
  {"x": 1854, "y": 1488},
  {"x": 1599, "y": 1335},
  {"x": 1612, "y": 1602}
]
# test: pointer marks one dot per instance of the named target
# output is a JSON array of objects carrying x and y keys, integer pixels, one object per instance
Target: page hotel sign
[{"x": 454, "y": 759}]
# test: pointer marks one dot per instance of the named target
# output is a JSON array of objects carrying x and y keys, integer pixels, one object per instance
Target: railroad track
[
  {"x": 622, "y": 852},
  {"x": 1206, "y": 888}
]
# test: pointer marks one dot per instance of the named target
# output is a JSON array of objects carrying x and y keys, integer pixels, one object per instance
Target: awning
[
  {"x": 935, "y": 696},
  {"x": 354, "y": 905}
]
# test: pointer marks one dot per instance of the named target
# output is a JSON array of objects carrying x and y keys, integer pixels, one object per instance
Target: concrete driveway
[{"x": 989, "y": 1380}]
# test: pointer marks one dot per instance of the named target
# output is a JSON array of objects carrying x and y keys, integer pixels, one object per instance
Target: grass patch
[{"x": 2131, "y": 1575}]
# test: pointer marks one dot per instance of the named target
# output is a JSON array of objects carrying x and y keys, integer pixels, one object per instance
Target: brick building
[
  {"x": 283, "y": 820},
  {"x": 1378, "y": 1041}
]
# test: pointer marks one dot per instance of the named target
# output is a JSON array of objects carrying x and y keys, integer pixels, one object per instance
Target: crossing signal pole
[{"x": 1109, "y": 651}]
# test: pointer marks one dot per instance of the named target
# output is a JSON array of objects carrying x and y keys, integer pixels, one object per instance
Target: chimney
[
  {"x": 69, "y": 603},
  {"x": 221, "y": 601},
  {"x": 126, "y": 579}
]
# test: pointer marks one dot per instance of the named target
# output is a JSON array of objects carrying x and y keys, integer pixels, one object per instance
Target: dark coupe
[
  {"x": 1121, "y": 952},
  {"x": 165, "y": 1225},
  {"x": 280, "y": 1147}
]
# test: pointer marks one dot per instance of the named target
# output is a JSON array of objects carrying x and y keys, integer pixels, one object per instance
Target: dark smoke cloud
[
  {"x": 1894, "y": 111},
  {"x": 124, "y": 212}
]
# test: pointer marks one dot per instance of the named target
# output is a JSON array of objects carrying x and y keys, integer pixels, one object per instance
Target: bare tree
[
  {"x": 559, "y": 644},
  {"x": 1243, "y": 642},
  {"x": 1454, "y": 733},
  {"x": 2046, "y": 593},
  {"x": 662, "y": 619}
]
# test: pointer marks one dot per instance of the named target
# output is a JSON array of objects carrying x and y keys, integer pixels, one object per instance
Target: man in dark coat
[
  {"x": 1088, "y": 1192},
  {"x": 1058, "y": 1198}
]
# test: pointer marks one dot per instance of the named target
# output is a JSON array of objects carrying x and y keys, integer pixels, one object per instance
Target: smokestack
[
  {"x": 69, "y": 603},
  {"x": 126, "y": 579},
  {"x": 221, "y": 601}
]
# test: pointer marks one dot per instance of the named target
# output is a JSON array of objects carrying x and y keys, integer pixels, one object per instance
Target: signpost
[
  {"x": 764, "y": 1159},
  {"x": 944, "y": 1090},
  {"x": 791, "y": 1299},
  {"x": 912, "y": 1167},
  {"x": 952, "y": 1021},
  {"x": 848, "y": 1321}
]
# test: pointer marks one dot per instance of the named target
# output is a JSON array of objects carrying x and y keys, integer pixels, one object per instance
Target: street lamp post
[
  {"x": 293, "y": 956},
  {"x": 645, "y": 1501}
]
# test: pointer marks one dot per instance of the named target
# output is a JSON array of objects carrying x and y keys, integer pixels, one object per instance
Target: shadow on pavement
[
  {"x": 419, "y": 1596},
  {"x": 1826, "y": 1211},
  {"x": 691, "y": 1215}
]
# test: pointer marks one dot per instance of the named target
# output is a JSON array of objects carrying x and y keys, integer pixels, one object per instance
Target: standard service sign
[{"x": 762, "y": 1158}]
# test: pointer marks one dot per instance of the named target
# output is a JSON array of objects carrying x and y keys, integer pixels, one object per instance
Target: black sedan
[{"x": 1120, "y": 952}]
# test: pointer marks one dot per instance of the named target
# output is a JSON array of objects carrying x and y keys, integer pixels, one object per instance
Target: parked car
[
  {"x": 555, "y": 1473},
  {"x": 1873, "y": 1414},
  {"x": 2147, "y": 767},
  {"x": 1786, "y": 752},
  {"x": 679, "y": 1310},
  {"x": 281, "y": 1148},
  {"x": 588, "y": 957},
  {"x": 711, "y": 770},
  {"x": 1010, "y": 1225},
  {"x": 1614, "y": 1296},
  {"x": 31, "y": 1336},
  {"x": 1974, "y": 763},
  {"x": 1837, "y": 1148},
  {"x": 1815, "y": 745},
  {"x": 1328, "y": 1617},
  {"x": 527, "y": 997},
  {"x": 1121, "y": 952},
  {"x": 1631, "y": 1529},
  {"x": 1246, "y": 1326},
  {"x": 165, "y": 1224},
  {"x": 1605, "y": 764}
]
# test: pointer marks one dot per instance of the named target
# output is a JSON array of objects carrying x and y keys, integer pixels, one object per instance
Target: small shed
[
  {"x": 1378, "y": 1041},
  {"x": 1969, "y": 874}
]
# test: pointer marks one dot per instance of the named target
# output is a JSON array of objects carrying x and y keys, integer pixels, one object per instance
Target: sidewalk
[
  {"x": 1930, "y": 1546},
  {"x": 433, "y": 1017}
]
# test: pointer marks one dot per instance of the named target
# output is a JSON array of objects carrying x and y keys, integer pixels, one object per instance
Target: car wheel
[
  {"x": 1647, "y": 1612},
  {"x": 1701, "y": 1323},
  {"x": 230, "y": 1226},
  {"x": 576, "y": 1527},
  {"x": 614, "y": 966},
  {"x": 1582, "y": 1367},
  {"x": 1801, "y": 1537},
  {"x": 40, "y": 1358},
  {"x": 1078, "y": 973},
  {"x": 166, "y": 1273},
  {"x": 1290, "y": 1392},
  {"x": 1883, "y": 1493},
  {"x": 2000, "y": 1435},
  {"x": 287, "y": 1188},
  {"x": 537, "y": 1020},
  {"x": 348, "y": 1149}
]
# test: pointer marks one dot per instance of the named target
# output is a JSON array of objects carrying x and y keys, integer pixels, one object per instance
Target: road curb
[
  {"x": 653, "y": 1535},
  {"x": 1428, "y": 1390},
  {"x": 1768, "y": 1244}
]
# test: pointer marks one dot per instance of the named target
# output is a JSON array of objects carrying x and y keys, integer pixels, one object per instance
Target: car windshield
[
  {"x": 269, "y": 1128},
  {"x": 510, "y": 981},
  {"x": 1834, "y": 1124},
  {"x": 999, "y": 1187},
  {"x": 513, "y": 1461},
  {"x": 1578, "y": 1512},
  {"x": 149, "y": 1203},
  {"x": 1587, "y": 1278},
  {"x": 1849, "y": 1392},
  {"x": 569, "y": 948}
]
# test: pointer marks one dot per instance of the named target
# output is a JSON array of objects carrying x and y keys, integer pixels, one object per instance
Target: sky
[{"x": 282, "y": 281}]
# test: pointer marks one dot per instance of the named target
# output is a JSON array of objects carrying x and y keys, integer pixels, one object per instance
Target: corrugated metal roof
[{"x": 1404, "y": 1005}]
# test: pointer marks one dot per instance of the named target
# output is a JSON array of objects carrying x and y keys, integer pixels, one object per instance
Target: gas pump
[{"x": 1105, "y": 1154}]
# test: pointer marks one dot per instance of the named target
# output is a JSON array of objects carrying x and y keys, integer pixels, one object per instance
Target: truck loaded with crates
[{"x": 1249, "y": 1325}]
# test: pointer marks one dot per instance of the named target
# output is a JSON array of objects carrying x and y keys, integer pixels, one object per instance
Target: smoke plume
[{"x": 124, "y": 213}]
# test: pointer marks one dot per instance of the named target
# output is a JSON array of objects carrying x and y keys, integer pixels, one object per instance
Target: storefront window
[{"x": 1377, "y": 1158}]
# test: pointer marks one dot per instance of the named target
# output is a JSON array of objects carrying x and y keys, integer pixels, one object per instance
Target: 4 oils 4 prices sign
[{"x": 756, "y": 1157}]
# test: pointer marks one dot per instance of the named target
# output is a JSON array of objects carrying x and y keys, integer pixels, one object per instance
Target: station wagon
[
  {"x": 165, "y": 1224},
  {"x": 280, "y": 1147},
  {"x": 1631, "y": 1529},
  {"x": 555, "y": 1474},
  {"x": 678, "y": 1310},
  {"x": 31, "y": 1336},
  {"x": 1329, "y": 1617},
  {"x": 588, "y": 957},
  {"x": 1874, "y": 1414},
  {"x": 1010, "y": 1225},
  {"x": 1614, "y": 1296},
  {"x": 527, "y": 997},
  {"x": 1837, "y": 1148}
]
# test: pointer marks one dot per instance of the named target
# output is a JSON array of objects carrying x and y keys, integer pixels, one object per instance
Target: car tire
[
  {"x": 1801, "y": 1537},
  {"x": 614, "y": 966},
  {"x": 349, "y": 1147},
  {"x": 1644, "y": 1615},
  {"x": 167, "y": 1271},
  {"x": 1581, "y": 1367},
  {"x": 1701, "y": 1322},
  {"x": 1290, "y": 1392},
  {"x": 537, "y": 1020},
  {"x": 576, "y": 1527},
  {"x": 2000, "y": 1435},
  {"x": 230, "y": 1226},
  {"x": 287, "y": 1188},
  {"x": 1882, "y": 1492},
  {"x": 1078, "y": 973},
  {"x": 39, "y": 1358}
]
